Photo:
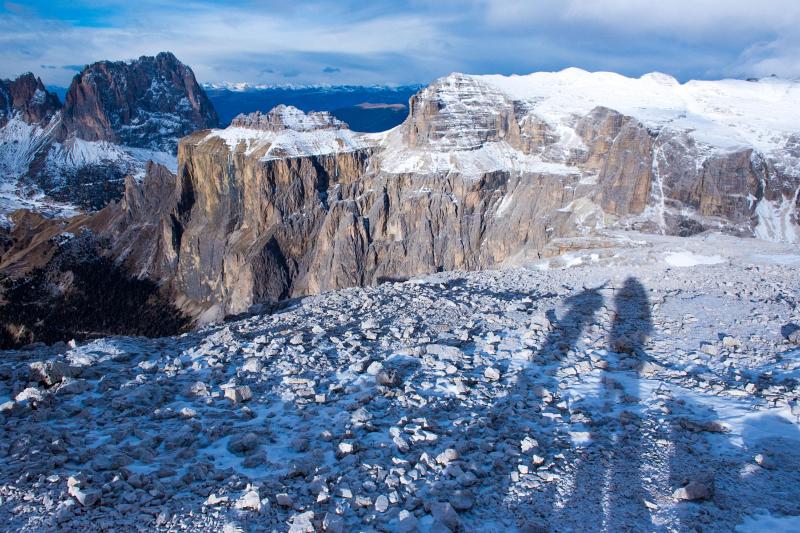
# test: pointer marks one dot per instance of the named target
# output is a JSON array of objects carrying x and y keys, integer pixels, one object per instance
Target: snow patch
[
  {"x": 689, "y": 259},
  {"x": 289, "y": 143},
  {"x": 491, "y": 156},
  {"x": 724, "y": 114},
  {"x": 775, "y": 220},
  {"x": 767, "y": 523}
]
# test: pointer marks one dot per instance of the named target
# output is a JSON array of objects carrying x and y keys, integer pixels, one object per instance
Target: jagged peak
[{"x": 285, "y": 117}]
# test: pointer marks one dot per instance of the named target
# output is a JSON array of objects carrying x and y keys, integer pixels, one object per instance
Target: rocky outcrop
[
  {"x": 27, "y": 98},
  {"x": 116, "y": 117},
  {"x": 149, "y": 103}
]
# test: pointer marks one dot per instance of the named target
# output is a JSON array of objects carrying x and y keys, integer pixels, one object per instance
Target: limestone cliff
[{"x": 285, "y": 204}]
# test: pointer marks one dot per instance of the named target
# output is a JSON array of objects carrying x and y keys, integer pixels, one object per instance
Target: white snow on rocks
[
  {"x": 491, "y": 156},
  {"x": 466, "y": 401},
  {"x": 286, "y": 131},
  {"x": 726, "y": 114},
  {"x": 21, "y": 142},
  {"x": 290, "y": 143}
]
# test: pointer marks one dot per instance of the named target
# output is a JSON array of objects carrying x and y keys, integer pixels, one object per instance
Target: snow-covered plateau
[{"x": 648, "y": 384}]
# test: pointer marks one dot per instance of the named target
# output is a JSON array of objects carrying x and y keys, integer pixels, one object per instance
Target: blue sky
[{"x": 387, "y": 41}]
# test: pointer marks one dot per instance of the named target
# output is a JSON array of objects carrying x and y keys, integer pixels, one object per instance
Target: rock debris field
[{"x": 648, "y": 386}]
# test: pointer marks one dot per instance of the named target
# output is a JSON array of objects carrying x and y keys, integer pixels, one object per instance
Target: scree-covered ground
[{"x": 650, "y": 385}]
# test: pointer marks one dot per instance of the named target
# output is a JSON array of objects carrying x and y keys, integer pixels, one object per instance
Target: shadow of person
[
  {"x": 607, "y": 483},
  {"x": 489, "y": 440},
  {"x": 537, "y": 387}
]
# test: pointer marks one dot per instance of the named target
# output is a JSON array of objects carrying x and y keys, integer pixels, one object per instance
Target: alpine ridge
[{"x": 485, "y": 172}]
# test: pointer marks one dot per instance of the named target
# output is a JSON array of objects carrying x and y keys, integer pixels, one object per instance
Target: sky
[{"x": 393, "y": 42}]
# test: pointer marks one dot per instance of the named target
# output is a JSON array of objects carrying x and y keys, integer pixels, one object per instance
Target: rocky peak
[
  {"x": 149, "y": 103},
  {"x": 457, "y": 112},
  {"x": 27, "y": 97},
  {"x": 285, "y": 117}
]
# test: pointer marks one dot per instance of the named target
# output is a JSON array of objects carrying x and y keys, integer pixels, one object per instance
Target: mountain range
[
  {"x": 367, "y": 108},
  {"x": 484, "y": 172}
]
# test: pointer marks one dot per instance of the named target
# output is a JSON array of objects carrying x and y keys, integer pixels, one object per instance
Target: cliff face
[
  {"x": 27, "y": 98},
  {"x": 148, "y": 103},
  {"x": 285, "y": 204},
  {"x": 484, "y": 172}
]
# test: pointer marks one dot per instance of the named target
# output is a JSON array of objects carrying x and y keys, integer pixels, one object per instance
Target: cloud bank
[{"x": 349, "y": 41}]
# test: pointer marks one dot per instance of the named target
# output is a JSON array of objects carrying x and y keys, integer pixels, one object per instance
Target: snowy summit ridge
[{"x": 286, "y": 131}]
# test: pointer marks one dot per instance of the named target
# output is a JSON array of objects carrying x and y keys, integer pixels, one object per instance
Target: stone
[
  {"x": 238, "y": 394},
  {"x": 302, "y": 522},
  {"x": 388, "y": 378},
  {"x": 491, "y": 374},
  {"x": 250, "y": 500},
  {"x": 444, "y": 513},
  {"x": 527, "y": 444},
  {"x": 86, "y": 498},
  {"x": 30, "y": 394},
  {"x": 243, "y": 443},
  {"x": 253, "y": 365},
  {"x": 381, "y": 503},
  {"x": 50, "y": 373},
  {"x": 213, "y": 499},
  {"x": 374, "y": 368},
  {"x": 447, "y": 456},
  {"x": 764, "y": 461},
  {"x": 406, "y": 522},
  {"x": 709, "y": 349},
  {"x": 345, "y": 448},
  {"x": 698, "y": 488},
  {"x": 284, "y": 500},
  {"x": 731, "y": 342},
  {"x": 332, "y": 523},
  {"x": 462, "y": 500},
  {"x": 363, "y": 501}
]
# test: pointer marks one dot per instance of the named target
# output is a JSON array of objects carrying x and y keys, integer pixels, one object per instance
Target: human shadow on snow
[{"x": 612, "y": 439}]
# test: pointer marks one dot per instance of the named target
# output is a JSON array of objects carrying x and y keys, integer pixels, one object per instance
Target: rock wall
[
  {"x": 149, "y": 102},
  {"x": 27, "y": 97}
]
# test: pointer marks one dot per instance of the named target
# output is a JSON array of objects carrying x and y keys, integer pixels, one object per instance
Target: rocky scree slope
[
  {"x": 117, "y": 116},
  {"x": 484, "y": 172},
  {"x": 621, "y": 394}
]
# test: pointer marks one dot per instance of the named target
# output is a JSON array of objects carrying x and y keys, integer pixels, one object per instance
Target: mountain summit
[
  {"x": 150, "y": 103},
  {"x": 116, "y": 117}
]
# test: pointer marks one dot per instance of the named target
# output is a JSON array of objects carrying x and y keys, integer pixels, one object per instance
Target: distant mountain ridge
[{"x": 343, "y": 101}]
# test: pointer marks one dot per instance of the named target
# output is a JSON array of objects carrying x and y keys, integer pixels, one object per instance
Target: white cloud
[
  {"x": 780, "y": 57},
  {"x": 215, "y": 44},
  {"x": 278, "y": 42},
  {"x": 693, "y": 19}
]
